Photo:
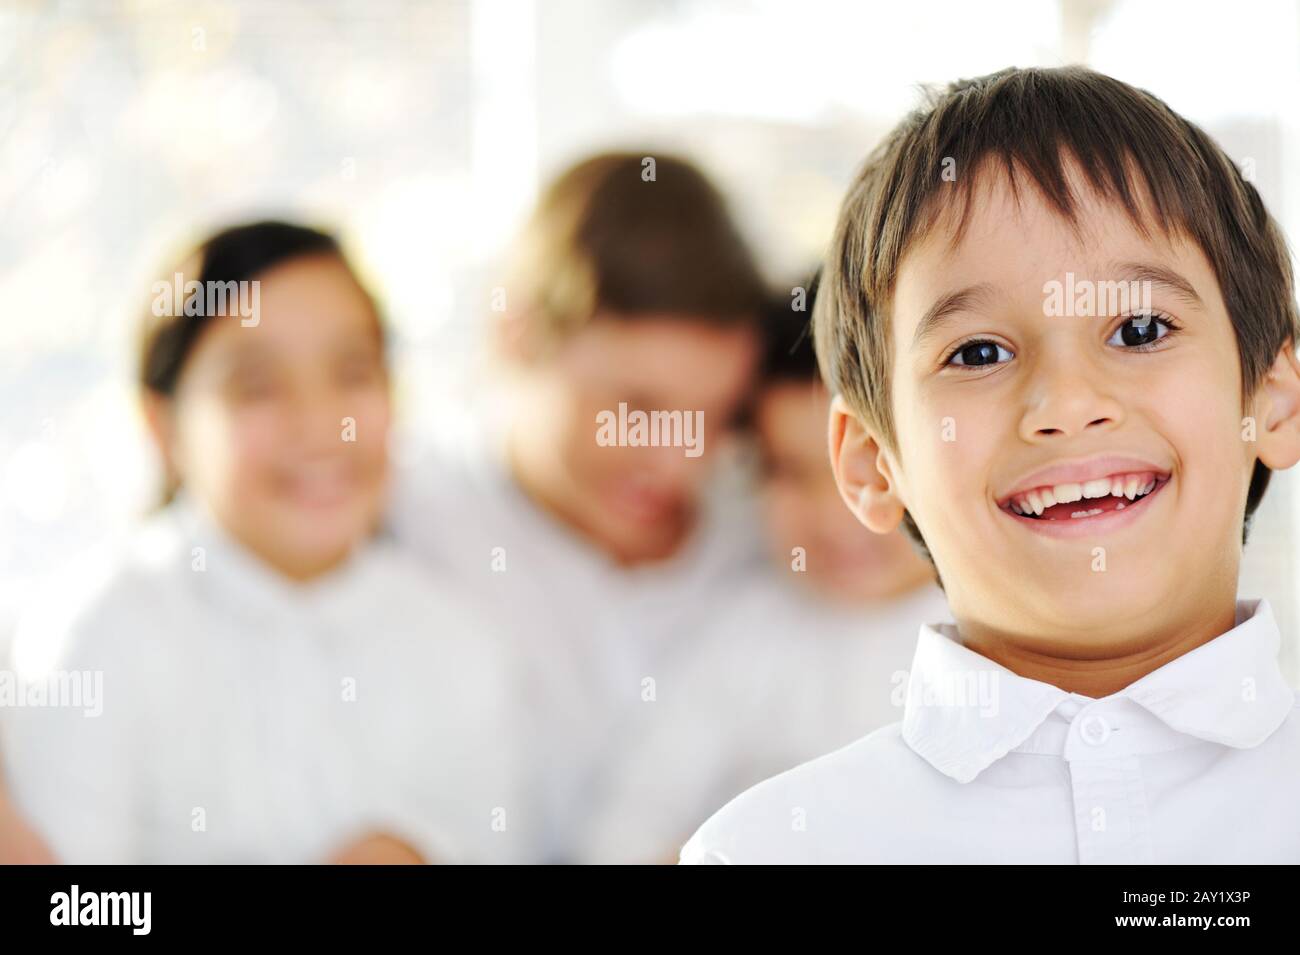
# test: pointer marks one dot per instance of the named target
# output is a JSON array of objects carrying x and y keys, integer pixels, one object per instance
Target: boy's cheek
[
  {"x": 1196, "y": 413},
  {"x": 954, "y": 456}
]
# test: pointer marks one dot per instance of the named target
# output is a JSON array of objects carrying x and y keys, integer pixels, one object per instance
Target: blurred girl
[{"x": 275, "y": 684}]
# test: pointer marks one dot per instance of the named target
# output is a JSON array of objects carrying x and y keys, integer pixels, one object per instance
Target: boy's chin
[
  {"x": 634, "y": 535},
  {"x": 1094, "y": 601}
]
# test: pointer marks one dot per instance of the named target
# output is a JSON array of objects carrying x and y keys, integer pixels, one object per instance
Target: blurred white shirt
[
  {"x": 600, "y": 652},
  {"x": 781, "y": 677},
  {"x": 249, "y": 719},
  {"x": 837, "y": 671},
  {"x": 1197, "y": 762}
]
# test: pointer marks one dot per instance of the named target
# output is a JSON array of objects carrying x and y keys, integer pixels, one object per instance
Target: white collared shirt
[
  {"x": 1197, "y": 762},
  {"x": 249, "y": 719},
  {"x": 603, "y": 655}
]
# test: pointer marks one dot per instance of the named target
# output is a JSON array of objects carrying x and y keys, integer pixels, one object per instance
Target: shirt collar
[
  {"x": 1230, "y": 690},
  {"x": 964, "y": 712}
]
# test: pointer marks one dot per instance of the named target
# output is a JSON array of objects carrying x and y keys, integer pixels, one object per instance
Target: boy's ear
[
  {"x": 862, "y": 471},
  {"x": 1277, "y": 435}
]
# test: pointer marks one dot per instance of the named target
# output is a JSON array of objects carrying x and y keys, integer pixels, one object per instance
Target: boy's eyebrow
[
  {"x": 1157, "y": 275},
  {"x": 973, "y": 296},
  {"x": 961, "y": 300}
]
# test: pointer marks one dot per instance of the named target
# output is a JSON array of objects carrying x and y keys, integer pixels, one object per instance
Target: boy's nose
[{"x": 1066, "y": 402}]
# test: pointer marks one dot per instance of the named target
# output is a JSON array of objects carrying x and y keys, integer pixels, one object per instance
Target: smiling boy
[{"x": 1082, "y": 482}]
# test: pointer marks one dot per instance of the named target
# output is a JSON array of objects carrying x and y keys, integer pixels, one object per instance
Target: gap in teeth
[{"x": 1132, "y": 487}]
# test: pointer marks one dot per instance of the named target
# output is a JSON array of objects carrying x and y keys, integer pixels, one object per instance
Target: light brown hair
[{"x": 606, "y": 237}]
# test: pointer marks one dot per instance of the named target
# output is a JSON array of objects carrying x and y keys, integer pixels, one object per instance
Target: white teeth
[
  {"x": 1089, "y": 513},
  {"x": 1128, "y": 486},
  {"x": 1067, "y": 493},
  {"x": 1097, "y": 488}
]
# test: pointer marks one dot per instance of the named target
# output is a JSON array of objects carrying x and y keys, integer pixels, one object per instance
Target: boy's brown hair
[
  {"x": 1030, "y": 124},
  {"x": 633, "y": 234}
]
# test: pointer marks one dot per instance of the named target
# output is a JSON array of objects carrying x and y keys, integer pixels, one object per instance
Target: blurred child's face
[
  {"x": 999, "y": 390},
  {"x": 635, "y": 502},
  {"x": 803, "y": 509},
  {"x": 281, "y": 429}
]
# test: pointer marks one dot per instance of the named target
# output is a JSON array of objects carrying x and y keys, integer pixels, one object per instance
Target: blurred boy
[
  {"x": 849, "y": 604},
  {"x": 599, "y": 545},
  {"x": 1081, "y": 468}
]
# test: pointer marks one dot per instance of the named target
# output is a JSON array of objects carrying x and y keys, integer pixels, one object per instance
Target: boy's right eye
[{"x": 977, "y": 353}]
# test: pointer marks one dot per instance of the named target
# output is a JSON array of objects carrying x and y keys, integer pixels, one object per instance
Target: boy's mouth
[{"x": 1087, "y": 500}]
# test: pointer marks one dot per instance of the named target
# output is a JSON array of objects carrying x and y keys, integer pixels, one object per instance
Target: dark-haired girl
[{"x": 275, "y": 683}]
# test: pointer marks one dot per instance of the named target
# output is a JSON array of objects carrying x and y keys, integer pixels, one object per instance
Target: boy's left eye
[
  {"x": 1141, "y": 330},
  {"x": 978, "y": 353}
]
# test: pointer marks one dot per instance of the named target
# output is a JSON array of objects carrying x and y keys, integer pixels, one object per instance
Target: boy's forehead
[
  {"x": 1007, "y": 239},
  {"x": 1011, "y": 209}
]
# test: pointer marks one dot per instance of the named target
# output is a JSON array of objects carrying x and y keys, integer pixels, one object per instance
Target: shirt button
[{"x": 1094, "y": 730}]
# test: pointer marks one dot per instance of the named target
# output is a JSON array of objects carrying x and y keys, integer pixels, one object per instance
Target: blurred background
[{"x": 422, "y": 131}]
